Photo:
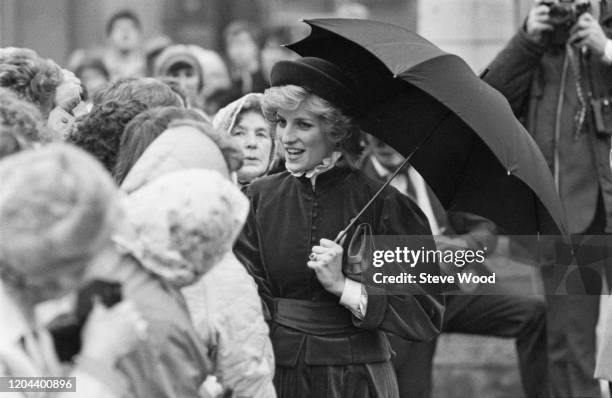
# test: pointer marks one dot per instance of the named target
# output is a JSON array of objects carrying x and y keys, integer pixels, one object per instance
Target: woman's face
[
  {"x": 305, "y": 144},
  {"x": 187, "y": 78},
  {"x": 252, "y": 133}
]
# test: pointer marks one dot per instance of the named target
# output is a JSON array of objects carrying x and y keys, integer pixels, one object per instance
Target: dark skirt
[{"x": 370, "y": 380}]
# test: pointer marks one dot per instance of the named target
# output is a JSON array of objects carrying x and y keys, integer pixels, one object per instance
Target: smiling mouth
[{"x": 293, "y": 153}]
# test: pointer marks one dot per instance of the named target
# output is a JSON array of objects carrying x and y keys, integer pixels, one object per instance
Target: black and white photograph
[{"x": 305, "y": 198}]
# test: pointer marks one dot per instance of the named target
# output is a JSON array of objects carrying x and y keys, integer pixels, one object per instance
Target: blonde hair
[{"x": 339, "y": 127}]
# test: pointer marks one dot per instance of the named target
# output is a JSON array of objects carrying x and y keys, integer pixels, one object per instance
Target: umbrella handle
[
  {"x": 385, "y": 185},
  {"x": 343, "y": 233}
]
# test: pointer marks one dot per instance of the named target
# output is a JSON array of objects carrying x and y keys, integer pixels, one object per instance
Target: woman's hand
[
  {"x": 326, "y": 261},
  {"x": 111, "y": 333}
]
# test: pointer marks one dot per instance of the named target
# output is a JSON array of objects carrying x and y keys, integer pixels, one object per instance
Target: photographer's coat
[{"x": 531, "y": 76}]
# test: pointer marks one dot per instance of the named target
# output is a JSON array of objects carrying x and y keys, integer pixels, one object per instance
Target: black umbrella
[{"x": 464, "y": 138}]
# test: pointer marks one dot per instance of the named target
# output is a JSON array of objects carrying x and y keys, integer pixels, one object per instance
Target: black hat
[{"x": 320, "y": 77}]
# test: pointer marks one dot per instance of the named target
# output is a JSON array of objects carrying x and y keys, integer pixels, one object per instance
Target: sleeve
[
  {"x": 355, "y": 298},
  {"x": 245, "y": 358},
  {"x": 247, "y": 250},
  {"x": 512, "y": 70},
  {"x": 413, "y": 313}
]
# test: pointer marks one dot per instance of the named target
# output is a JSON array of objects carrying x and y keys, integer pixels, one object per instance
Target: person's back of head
[
  {"x": 32, "y": 77},
  {"x": 58, "y": 208},
  {"x": 21, "y": 124},
  {"x": 146, "y": 90},
  {"x": 185, "y": 144},
  {"x": 143, "y": 130},
  {"x": 100, "y": 131}
]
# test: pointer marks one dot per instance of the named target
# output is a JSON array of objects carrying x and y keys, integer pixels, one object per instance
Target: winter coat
[{"x": 224, "y": 304}]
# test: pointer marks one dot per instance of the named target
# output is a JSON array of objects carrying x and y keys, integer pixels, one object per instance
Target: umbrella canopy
[{"x": 467, "y": 143}]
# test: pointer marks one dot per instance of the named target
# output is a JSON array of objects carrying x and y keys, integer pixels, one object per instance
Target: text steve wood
[{"x": 425, "y": 277}]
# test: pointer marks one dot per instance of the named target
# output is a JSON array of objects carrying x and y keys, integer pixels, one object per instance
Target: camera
[{"x": 563, "y": 15}]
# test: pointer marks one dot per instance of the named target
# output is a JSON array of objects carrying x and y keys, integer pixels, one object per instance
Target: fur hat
[
  {"x": 57, "y": 205},
  {"x": 184, "y": 222}
]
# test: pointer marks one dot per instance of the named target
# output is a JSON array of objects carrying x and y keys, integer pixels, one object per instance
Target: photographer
[{"x": 556, "y": 74}]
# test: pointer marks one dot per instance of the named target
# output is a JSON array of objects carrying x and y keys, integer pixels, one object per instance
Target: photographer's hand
[
  {"x": 588, "y": 33},
  {"x": 538, "y": 22}
]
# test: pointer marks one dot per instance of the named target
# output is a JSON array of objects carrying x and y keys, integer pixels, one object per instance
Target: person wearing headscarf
[
  {"x": 178, "y": 64},
  {"x": 243, "y": 120},
  {"x": 328, "y": 329},
  {"x": 58, "y": 209},
  {"x": 166, "y": 186},
  {"x": 217, "y": 80}
]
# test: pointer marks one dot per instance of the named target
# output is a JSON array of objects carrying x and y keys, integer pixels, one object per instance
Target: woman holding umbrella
[{"x": 326, "y": 329}]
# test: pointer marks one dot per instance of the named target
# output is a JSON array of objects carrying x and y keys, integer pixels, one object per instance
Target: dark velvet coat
[{"x": 288, "y": 216}]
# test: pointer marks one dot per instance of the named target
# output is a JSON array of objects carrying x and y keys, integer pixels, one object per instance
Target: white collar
[{"x": 326, "y": 164}]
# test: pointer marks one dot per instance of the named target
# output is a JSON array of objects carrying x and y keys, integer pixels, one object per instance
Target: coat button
[
  {"x": 315, "y": 205},
  {"x": 315, "y": 214},
  {"x": 314, "y": 298},
  {"x": 314, "y": 228}
]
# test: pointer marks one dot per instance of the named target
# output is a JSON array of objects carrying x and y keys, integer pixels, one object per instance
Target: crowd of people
[{"x": 176, "y": 216}]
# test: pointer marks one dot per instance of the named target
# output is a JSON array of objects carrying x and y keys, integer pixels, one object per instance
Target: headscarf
[
  {"x": 216, "y": 75},
  {"x": 57, "y": 205},
  {"x": 184, "y": 222},
  {"x": 226, "y": 118}
]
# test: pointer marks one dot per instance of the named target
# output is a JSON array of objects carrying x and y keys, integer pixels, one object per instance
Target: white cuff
[
  {"x": 355, "y": 298},
  {"x": 607, "y": 55}
]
